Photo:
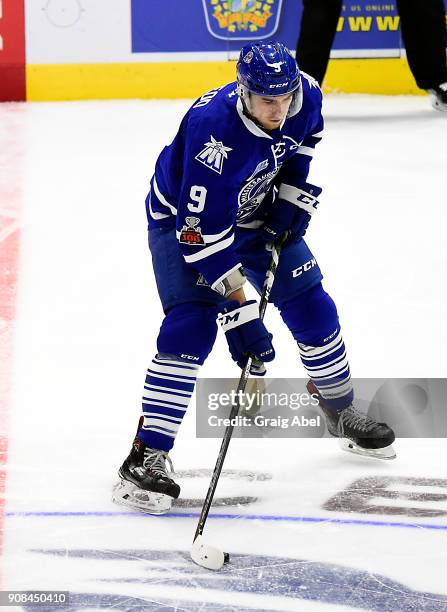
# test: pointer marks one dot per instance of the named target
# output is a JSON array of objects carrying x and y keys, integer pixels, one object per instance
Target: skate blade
[
  {"x": 127, "y": 494},
  {"x": 349, "y": 446}
]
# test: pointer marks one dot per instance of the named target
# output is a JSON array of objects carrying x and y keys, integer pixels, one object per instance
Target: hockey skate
[
  {"x": 358, "y": 433},
  {"x": 144, "y": 482},
  {"x": 438, "y": 97}
]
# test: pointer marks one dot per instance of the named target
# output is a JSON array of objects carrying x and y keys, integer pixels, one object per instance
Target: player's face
[{"x": 270, "y": 111}]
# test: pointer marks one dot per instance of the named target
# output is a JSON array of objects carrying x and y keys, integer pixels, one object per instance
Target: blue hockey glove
[
  {"x": 288, "y": 218},
  {"x": 291, "y": 213},
  {"x": 246, "y": 333}
]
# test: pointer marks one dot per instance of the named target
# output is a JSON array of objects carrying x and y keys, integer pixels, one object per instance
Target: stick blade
[{"x": 207, "y": 556}]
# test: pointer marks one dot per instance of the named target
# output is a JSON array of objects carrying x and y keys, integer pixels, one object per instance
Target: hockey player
[{"x": 234, "y": 179}]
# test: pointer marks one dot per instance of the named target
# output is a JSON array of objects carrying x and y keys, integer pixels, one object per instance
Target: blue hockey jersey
[{"x": 222, "y": 171}]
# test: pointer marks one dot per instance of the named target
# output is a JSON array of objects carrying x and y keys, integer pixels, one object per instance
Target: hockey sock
[
  {"x": 313, "y": 320},
  {"x": 328, "y": 367},
  {"x": 168, "y": 388}
]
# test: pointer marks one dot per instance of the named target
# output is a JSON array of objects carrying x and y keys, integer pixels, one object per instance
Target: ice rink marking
[{"x": 247, "y": 517}]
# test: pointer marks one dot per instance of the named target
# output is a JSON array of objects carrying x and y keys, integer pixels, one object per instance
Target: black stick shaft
[{"x": 268, "y": 283}]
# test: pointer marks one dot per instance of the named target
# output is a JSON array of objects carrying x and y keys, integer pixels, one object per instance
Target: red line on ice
[{"x": 9, "y": 251}]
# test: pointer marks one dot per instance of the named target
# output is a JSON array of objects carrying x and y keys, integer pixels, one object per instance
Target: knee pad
[
  {"x": 311, "y": 316},
  {"x": 188, "y": 332}
]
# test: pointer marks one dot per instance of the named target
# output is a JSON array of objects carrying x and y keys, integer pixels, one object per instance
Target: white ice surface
[{"x": 88, "y": 316}]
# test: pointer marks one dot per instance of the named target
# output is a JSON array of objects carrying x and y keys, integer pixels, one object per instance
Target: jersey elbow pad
[{"x": 233, "y": 280}]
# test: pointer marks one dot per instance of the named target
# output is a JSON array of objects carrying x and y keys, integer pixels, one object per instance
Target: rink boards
[{"x": 73, "y": 49}]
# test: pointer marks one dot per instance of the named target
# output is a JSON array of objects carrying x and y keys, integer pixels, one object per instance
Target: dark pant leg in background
[
  {"x": 317, "y": 32},
  {"x": 424, "y": 34}
]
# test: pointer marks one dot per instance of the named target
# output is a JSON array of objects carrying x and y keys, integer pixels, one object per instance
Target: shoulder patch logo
[
  {"x": 213, "y": 155},
  {"x": 201, "y": 281}
]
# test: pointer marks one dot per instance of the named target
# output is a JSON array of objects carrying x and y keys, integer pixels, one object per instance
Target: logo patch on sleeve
[
  {"x": 191, "y": 233},
  {"x": 201, "y": 281},
  {"x": 213, "y": 155}
]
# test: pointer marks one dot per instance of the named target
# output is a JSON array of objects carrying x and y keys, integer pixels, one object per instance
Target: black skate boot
[
  {"x": 438, "y": 97},
  {"x": 144, "y": 482},
  {"x": 358, "y": 433}
]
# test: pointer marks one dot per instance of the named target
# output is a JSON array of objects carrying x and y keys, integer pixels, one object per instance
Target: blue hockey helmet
[{"x": 267, "y": 69}]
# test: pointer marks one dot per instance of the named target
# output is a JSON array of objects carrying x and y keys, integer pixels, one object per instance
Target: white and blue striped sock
[
  {"x": 168, "y": 389},
  {"x": 328, "y": 367}
]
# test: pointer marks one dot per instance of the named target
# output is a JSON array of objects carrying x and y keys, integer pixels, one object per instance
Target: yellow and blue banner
[
  {"x": 365, "y": 28},
  {"x": 181, "y": 48}
]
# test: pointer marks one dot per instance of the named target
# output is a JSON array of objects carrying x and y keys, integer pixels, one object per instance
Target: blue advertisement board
[
  {"x": 160, "y": 26},
  {"x": 365, "y": 28}
]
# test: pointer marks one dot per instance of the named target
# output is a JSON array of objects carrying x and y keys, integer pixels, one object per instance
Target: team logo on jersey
[
  {"x": 261, "y": 166},
  {"x": 253, "y": 193},
  {"x": 213, "y": 155},
  {"x": 191, "y": 233},
  {"x": 242, "y": 19}
]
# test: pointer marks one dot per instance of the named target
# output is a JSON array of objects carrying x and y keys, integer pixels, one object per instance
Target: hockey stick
[{"x": 201, "y": 553}]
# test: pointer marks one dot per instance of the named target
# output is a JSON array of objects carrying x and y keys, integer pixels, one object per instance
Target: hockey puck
[{"x": 226, "y": 557}]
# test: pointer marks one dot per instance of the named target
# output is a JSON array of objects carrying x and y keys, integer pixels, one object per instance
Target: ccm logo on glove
[{"x": 239, "y": 316}]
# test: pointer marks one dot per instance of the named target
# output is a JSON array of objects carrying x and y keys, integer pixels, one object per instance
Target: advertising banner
[
  {"x": 368, "y": 29},
  {"x": 83, "y": 49},
  {"x": 365, "y": 28},
  {"x": 106, "y": 31},
  {"x": 12, "y": 50}
]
